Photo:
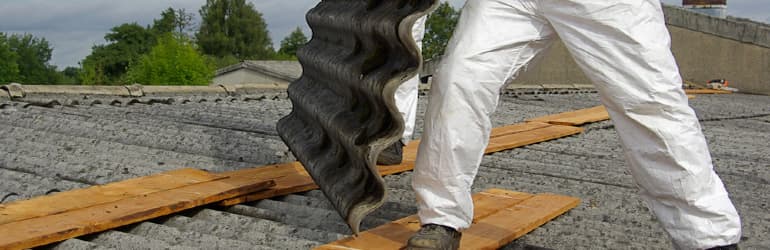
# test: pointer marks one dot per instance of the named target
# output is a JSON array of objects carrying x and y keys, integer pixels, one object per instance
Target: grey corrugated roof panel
[
  {"x": 196, "y": 140},
  {"x": 75, "y": 89},
  {"x": 186, "y": 115},
  {"x": 39, "y": 157},
  {"x": 161, "y": 90},
  {"x": 16, "y": 185},
  {"x": 242, "y": 88},
  {"x": 232, "y": 232},
  {"x": 121, "y": 240},
  {"x": 78, "y": 244},
  {"x": 92, "y": 161},
  {"x": 288, "y": 70},
  {"x": 189, "y": 238},
  {"x": 343, "y": 106},
  {"x": 4, "y": 95},
  {"x": 87, "y": 93},
  {"x": 248, "y": 223}
]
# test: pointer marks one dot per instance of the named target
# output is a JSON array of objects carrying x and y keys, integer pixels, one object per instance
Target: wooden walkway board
[
  {"x": 576, "y": 118},
  {"x": 706, "y": 91},
  {"x": 292, "y": 177},
  {"x": 65, "y": 215},
  {"x": 95, "y": 195},
  {"x": 43, "y": 230},
  {"x": 541, "y": 134},
  {"x": 500, "y": 217}
]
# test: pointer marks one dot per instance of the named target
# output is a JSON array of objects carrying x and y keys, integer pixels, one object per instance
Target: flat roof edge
[{"x": 747, "y": 31}]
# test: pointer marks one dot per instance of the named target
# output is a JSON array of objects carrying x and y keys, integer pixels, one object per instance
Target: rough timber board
[
  {"x": 706, "y": 91},
  {"x": 95, "y": 195},
  {"x": 291, "y": 177},
  {"x": 500, "y": 217},
  {"x": 576, "y": 118},
  {"x": 546, "y": 133},
  {"x": 57, "y": 227},
  {"x": 517, "y": 128}
]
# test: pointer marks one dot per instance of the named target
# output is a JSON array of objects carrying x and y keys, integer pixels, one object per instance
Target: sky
[{"x": 74, "y": 26}]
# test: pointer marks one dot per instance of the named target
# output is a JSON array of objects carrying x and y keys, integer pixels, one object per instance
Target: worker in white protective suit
[
  {"x": 623, "y": 46},
  {"x": 406, "y": 101}
]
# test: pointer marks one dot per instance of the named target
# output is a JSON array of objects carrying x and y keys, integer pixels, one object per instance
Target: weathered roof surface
[
  {"x": 286, "y": 70},
  {"x": 738, "y": 29},
  {"x": 101, "y": 139}
]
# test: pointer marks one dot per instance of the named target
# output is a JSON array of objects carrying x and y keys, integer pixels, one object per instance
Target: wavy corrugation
[{"x": 344, "y": 113}]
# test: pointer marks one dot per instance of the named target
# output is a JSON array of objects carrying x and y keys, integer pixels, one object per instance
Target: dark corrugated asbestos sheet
[
  {"x": 344, "y": 113},
  {"x": 49, "y": 149}
]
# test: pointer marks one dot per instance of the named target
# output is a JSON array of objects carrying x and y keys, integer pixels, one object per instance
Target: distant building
[
  {"x": 717, "y": 8},
  {"x": 259, "y": 72}
]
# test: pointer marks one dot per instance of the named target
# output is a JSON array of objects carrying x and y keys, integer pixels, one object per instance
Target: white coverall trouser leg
[
  {"x": 406, "y": 94},
  {"x": 623, "y": 46}
]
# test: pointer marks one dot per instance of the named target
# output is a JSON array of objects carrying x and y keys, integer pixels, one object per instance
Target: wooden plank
[
  {"x": 45, "y": 230},
  {"x": 509, "y": 224},
  {"x": 547, "y": 133},
  {"x": 517, "y": 128},
  {"x": 502, "y": 138},
  {"x": 490, "y": 201},
  {"x": 495, "y": 210},
  {"x": 95, "y": 195},
  {"x": 292, "y": 177},
  {"x": 575, "y": 118},
  {"x": 706, "y": 91}
]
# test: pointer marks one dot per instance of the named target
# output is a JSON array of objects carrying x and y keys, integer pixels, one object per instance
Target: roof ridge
[
  {"x": 261, "y": 68},
  {"x": 15, "y": 90}
]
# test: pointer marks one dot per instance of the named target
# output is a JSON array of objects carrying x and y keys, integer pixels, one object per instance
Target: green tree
[
  {"x": 438, "y": 30},
  {"x": 32, "y": 59},
  {"x": 233, "y": 28},
  {"x": 9, "y": 69},
  {"x": 177, "y": 21},
  {"x": 70, "y": 75},
  {"x": 173, "y": 61},
  {"x": 108, "y": 63},
  {"x": 292, "y": 43}
]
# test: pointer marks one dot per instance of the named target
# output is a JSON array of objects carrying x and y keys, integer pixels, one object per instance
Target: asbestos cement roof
[
  {"x": 285, "y": 70},
  {"x": 55, "y": 142}
]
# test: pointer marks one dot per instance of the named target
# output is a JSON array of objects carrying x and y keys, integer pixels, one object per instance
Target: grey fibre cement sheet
[{"x": 344, "y": 113}]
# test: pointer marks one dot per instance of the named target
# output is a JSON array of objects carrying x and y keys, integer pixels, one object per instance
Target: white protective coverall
[
  {"x": 406, "y": 94},
  {"x": 623, "y": 46}
]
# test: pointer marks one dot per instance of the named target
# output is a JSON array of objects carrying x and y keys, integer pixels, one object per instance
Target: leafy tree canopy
[
  {"x": 108, "y": 63},
  {"x": 292, "y": 43},
  {"x": 233, "y": 28},
  {"x": 31, "y": 56},
  {"x": 173, "y": 61},
  {"x": 9, "y": 69},
  {"x": 439, "y": 28},
  {"x": 177, "y": 21}
]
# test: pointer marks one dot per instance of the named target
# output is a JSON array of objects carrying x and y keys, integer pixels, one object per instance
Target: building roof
[
  {"x": 54, "y": 142},
  {"x": 739, "y": 29},
  {"x": 284, "y": 70}
]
